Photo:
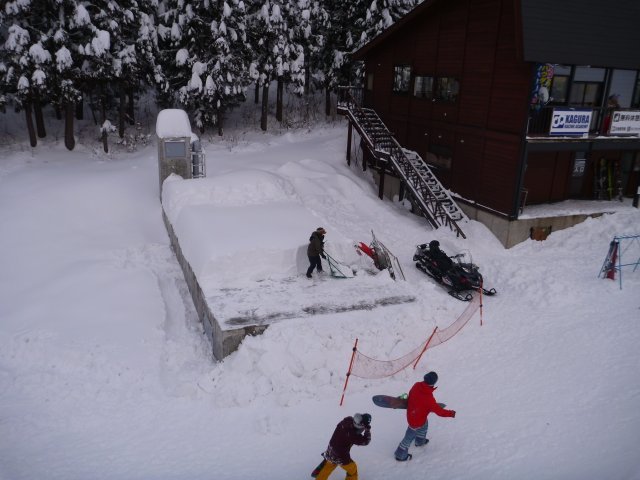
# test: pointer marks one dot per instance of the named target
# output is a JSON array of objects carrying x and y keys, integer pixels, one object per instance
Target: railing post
[{"x": 349, "y": 144}]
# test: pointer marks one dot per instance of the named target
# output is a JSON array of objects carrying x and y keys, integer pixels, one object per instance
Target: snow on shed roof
[{"x": 173, "y": 122}]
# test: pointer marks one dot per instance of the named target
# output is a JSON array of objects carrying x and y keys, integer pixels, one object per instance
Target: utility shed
[{"x": 174, "y": 144}]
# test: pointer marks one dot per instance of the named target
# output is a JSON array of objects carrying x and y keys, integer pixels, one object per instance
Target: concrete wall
[
  {"x": 179, "y": 166},
  {"x": 509, "y": 233},
  {"x": 223, "y": 342}
]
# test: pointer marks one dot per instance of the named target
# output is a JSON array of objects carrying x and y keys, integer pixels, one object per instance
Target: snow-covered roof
[{"x": 173, "y": 122}]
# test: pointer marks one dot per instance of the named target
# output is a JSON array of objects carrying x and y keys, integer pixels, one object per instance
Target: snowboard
[
  {"x": 316, "y": 470},
  {"x": 387, "y": 401}
]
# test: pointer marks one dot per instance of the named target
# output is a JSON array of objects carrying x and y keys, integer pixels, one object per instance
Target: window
[
  {"x": 559, "y": 89},
  {"x": 401, "y": 78},
  {"x": 370, "y": 82},
  {"x": 447, "y": 89},
  {"x": 636, "y": 95},
  {"x": 423, "y": 87},
  {"x": 175, "y": 149},
  {"x": 439, "y": 156},
  {"x": 585, "y": 94}
]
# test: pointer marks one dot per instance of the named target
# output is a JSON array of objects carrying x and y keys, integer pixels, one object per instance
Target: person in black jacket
[
  {"x": 441, "y": 258},
  {"x": 315, "y": 250},
  {"x": 350, "y": 431}
]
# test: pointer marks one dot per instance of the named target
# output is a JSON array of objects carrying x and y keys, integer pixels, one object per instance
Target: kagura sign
[{"x": 570, "y": 122}]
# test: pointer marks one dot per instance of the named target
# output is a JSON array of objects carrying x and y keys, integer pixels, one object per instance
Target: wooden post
[
  {"x": 349, "y": 144},
  {"x": 346, "y": 381},
  {"x": 426, "y": 345}
]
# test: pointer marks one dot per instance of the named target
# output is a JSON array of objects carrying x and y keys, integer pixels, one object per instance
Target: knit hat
[
  {"x": 321, "y": 230},
  {"x": 431, "y": 378}
]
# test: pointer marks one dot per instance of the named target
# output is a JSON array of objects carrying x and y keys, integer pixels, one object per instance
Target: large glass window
[
  {"x": 585, "y": 94},
  {"x": 423, "y": 87},
  {"x": 401, "y": 78},
  {"x": 559, "y": 89},
  {"x": 447, "y": 89},
  {"x": 635, "y": 103}
]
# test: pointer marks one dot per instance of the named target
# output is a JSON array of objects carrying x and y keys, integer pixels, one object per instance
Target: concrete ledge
[
  {"x": 222, "y": 341},
  {"x": 512, "y": 232}
]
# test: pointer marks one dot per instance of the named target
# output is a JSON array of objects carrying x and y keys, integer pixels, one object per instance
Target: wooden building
[{"x": 507, "y": 100}]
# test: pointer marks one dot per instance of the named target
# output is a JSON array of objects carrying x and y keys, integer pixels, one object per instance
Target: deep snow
[{"x": 105, "y": 373}]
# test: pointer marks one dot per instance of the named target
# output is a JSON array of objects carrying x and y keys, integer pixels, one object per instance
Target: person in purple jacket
[{"x": 350, "y": 431}]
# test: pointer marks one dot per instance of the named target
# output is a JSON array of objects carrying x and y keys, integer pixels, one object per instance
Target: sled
[{"x": 387, "y": 401}]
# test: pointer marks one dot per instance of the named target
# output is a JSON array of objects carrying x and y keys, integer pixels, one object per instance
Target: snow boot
[
  {"x": 421, "y": 442},
  {"x": 402, "y": 454},
  {"x": 309, "y": 275}
]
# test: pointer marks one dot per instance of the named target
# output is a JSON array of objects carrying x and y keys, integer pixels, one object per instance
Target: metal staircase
[{"x": 428, "y": 194}]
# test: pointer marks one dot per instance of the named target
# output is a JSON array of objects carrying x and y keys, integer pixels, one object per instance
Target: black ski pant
[{"x": 314, "y": 262}]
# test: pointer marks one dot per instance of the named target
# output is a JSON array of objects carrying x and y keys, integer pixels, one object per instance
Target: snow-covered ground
[{"x": 105, "y": 373}]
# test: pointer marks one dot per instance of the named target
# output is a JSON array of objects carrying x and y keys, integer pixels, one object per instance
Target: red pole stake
[
  {"x": 346, "y": 380},
  {"x": 426, "y": 345}
]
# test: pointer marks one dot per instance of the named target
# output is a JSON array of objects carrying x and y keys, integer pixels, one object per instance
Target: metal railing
[
  {"x": 198, "y": 165},
  {"x": 431, "y": 198}
]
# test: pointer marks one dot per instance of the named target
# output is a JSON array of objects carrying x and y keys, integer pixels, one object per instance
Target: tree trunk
[
  {"x": 265, "y": 107},
  {"x": 33, "y": 140},
  {"x": 257, "y": 93},
  {"x": 69, "y": 140},
  {"x": 327, "y": 101},
  {"x": 37, "y": 110},
  {"x": 121, "y": 112},
  {"x": 279, "y": 95},
  {"x": 131, "y": 110},
  {"x": 103, "y": 109},
  {"x": 307, "y": 71},
  {"x": 220, "y": 122},
  {"x": 80, "y": 109}
]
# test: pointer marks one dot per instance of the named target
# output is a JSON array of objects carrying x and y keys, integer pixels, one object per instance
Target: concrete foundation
[
  {"x": 223, "y": 341},
  {"x": 508, "y": 232}
]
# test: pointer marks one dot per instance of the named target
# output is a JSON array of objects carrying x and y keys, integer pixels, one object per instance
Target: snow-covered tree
[
  {"x": 205, "y": 57},
  {"x": 276, "y": 55}
]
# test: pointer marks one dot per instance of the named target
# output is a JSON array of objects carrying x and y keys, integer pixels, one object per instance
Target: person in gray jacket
[{"x": 315, "y": 250}]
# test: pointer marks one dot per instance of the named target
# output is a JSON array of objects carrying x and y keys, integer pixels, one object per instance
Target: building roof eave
[{"x": 362, "y": 52}]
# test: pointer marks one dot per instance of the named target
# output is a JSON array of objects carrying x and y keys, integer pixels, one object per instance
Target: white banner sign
[
  {"x": 570, "y": 122},
  {"x": 625, "y": 123}
]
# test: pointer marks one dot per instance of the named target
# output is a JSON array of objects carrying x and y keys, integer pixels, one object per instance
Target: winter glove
[
  {"x": 366, "y": 419},
  {"x": 323, "y": 256},
  {"x": 453, "y": 414}
]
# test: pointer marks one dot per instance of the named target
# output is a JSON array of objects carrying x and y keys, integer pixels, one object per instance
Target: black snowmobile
[{"x": 458, "y": 276}]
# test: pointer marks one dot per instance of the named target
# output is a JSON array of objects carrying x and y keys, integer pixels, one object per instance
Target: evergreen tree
[
  {"x": 205, "y": 57},
  {"x": 276, "y": 55}
]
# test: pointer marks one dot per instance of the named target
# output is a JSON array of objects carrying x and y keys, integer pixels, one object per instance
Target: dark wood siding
[
  {"x": 547, "y": 176},
  {"x": 473, "y": 41},
  {"x": 479, "y": 62}
]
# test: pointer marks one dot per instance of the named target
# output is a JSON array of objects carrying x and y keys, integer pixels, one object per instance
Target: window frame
[
  {"x": 426, "y": 94},
  {"x": 401, "y": 79},
  {"x": 438, "y": 89}
]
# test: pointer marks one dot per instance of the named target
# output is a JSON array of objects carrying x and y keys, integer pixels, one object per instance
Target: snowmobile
[{"x": 460, "y": 276}]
